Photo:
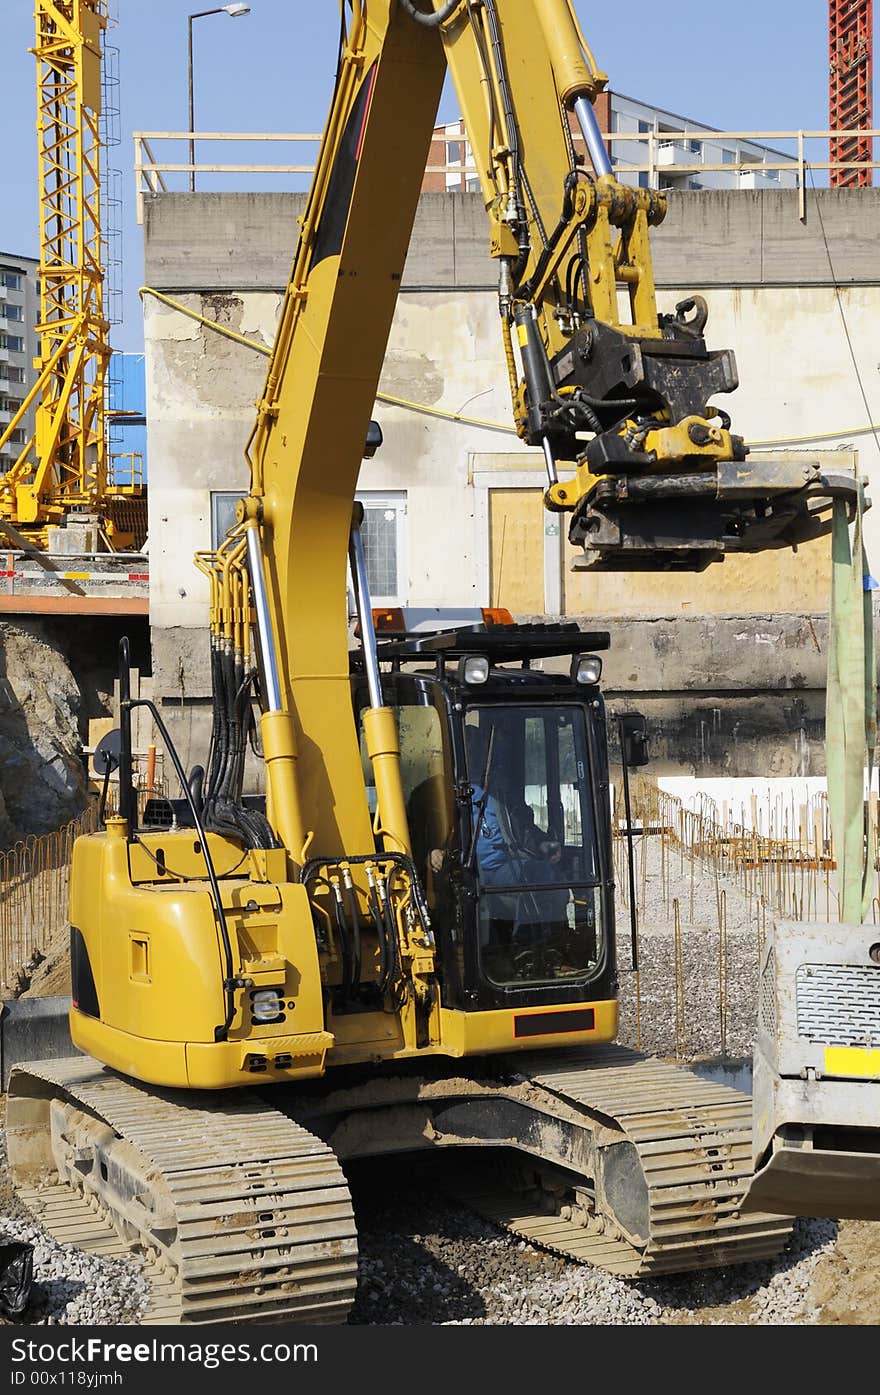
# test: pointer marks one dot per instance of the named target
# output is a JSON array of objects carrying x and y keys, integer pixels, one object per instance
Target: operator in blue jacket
[{"x": 527, "y": 856}]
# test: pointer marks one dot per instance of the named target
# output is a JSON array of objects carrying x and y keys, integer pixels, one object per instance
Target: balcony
[
  {"x": 4, "y": 355},
  {"x": 5, "y": 417},
  {"x": 679, "y": 152},
  {"x": 759, "y": 179}
]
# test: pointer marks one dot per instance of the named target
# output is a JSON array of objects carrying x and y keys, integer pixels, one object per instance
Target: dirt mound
[
  {"x": 846, "y": 1284},
  {"x": 50, "y": 977}
]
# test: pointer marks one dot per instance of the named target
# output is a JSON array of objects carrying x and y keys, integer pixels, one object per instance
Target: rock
[{"x": 43, "y": 781}]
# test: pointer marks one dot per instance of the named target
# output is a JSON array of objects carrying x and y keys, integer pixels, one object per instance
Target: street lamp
[{"x": 234, "y": 11}]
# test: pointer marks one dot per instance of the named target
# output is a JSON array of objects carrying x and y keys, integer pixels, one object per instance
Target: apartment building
[
  {"x": 649, "y": 147},
  {"x": 19, "y": 312}
]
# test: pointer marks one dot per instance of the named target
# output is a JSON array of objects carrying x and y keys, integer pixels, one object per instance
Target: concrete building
[
  {"x": 19, "y": 312},
  {"x": 647, "y": 135},
  {"x": 732, "y": 663}
]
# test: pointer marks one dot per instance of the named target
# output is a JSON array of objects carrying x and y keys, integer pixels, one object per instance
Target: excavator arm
[{"x": 620, "y": 398}]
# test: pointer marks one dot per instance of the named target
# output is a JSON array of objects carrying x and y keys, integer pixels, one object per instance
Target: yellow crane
[{"x": 63, "y": 465}]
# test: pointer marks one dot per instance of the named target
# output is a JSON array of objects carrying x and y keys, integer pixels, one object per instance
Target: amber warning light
[{"x": 409, "y": 620}]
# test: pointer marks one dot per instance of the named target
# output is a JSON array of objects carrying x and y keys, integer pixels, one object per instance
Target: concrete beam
[
  {"x": 207, "y": 242},
  {"x": 722, "y": 237}
]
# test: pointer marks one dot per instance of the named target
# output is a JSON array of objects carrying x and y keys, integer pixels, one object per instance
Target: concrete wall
[
  {"x": 772, "y": 298},
  {"x": 220, "y": 242}
]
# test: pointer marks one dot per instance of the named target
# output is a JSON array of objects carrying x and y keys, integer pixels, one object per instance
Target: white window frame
[
  {"x": 370, "y": 498},
  {"x": 395, "y": 499},
  {"x": 216, "y": 496}
]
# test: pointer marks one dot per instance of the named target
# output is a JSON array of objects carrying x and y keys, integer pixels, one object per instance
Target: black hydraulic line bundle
[{"x": 232, "y": 723}]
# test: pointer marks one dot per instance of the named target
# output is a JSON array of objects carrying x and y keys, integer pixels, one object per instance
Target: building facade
[
  {"x": 732, "y": 662},
  {"x": 649, "y": 147},
  {"x": 19, "y": 347}
]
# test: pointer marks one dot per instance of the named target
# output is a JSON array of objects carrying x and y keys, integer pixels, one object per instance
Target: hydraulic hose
[
  {"x": 512, "y": 135},
  {"x": 230, "y": 982},
  {"x": 391, "y": 937},
  {"x": 528, "y": 288},
  {"x": 431, "y": 21},
  {"x": 351, "y": 896},
  {"x": 344, "y": 934},
  {"x": 381, "y": 939}
]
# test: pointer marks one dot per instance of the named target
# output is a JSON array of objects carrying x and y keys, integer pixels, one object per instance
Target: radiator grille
[{"x": 839, "y": 1004}]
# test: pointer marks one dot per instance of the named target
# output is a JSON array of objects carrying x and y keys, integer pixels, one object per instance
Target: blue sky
[{"x": 758, "y": 65}]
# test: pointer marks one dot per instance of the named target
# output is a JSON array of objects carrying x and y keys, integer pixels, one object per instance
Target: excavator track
[
  {"x": 241, "y": 1213},
  {"x": 693, "y": 1141},
  {"x": 602, "y": 1155}
]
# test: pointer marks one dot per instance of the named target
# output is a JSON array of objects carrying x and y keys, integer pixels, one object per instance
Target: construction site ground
[{"x": 428, "y": 1261}]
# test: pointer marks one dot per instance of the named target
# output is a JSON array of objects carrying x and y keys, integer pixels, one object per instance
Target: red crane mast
[{"x": 851, "y": 34}]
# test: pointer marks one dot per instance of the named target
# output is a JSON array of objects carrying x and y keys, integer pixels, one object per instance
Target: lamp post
[{"x": 234, "y": 11}]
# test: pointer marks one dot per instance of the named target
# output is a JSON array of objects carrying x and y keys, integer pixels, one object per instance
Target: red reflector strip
[
  {"x": 545, "y": 1024},
  {"x": 369, "y": 102}
]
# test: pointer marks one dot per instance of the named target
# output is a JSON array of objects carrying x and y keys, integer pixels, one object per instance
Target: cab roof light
[
  {"x": 473, "y": 668},
  {"x": 586, "y": 669},
  {"x": 496, "y": 615}
]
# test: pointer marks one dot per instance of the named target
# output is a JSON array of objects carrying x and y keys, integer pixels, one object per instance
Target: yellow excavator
[{"x": 408, "y": 944}]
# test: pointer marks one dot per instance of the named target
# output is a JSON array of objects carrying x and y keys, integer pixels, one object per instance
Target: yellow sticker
[{"x": 852, "y": 1060}]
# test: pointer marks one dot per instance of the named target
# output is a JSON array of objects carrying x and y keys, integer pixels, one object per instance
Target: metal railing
[
  {"x": 125, "y": 470},
  {"x": 151, "y": 172},
  {"x": 34, "y": 881},
  {"x": 720, "y": 873}
]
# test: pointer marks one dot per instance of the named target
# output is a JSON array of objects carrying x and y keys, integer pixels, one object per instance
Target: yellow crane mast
[{"x": 63, "y": 464}]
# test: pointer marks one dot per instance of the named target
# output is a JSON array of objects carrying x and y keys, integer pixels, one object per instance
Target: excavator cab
[{"x": 505, "y": 775}]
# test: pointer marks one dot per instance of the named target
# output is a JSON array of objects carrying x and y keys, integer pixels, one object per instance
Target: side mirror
[
  {"x": 633, "y": 729},
  {"x": 374, "y": 440},
  {"x": 106, "y": 756}
]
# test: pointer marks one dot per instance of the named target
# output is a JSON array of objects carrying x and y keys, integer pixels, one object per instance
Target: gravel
[
  {"x": 71, "y": 1287},
  {"x": 426, "y": 1260}
]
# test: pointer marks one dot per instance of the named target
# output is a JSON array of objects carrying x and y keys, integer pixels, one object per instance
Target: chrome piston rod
[
  {"x": 358, "y": 562},
  {"x": 583, "y": 110},
  {"x": 264, "y": 624}
]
